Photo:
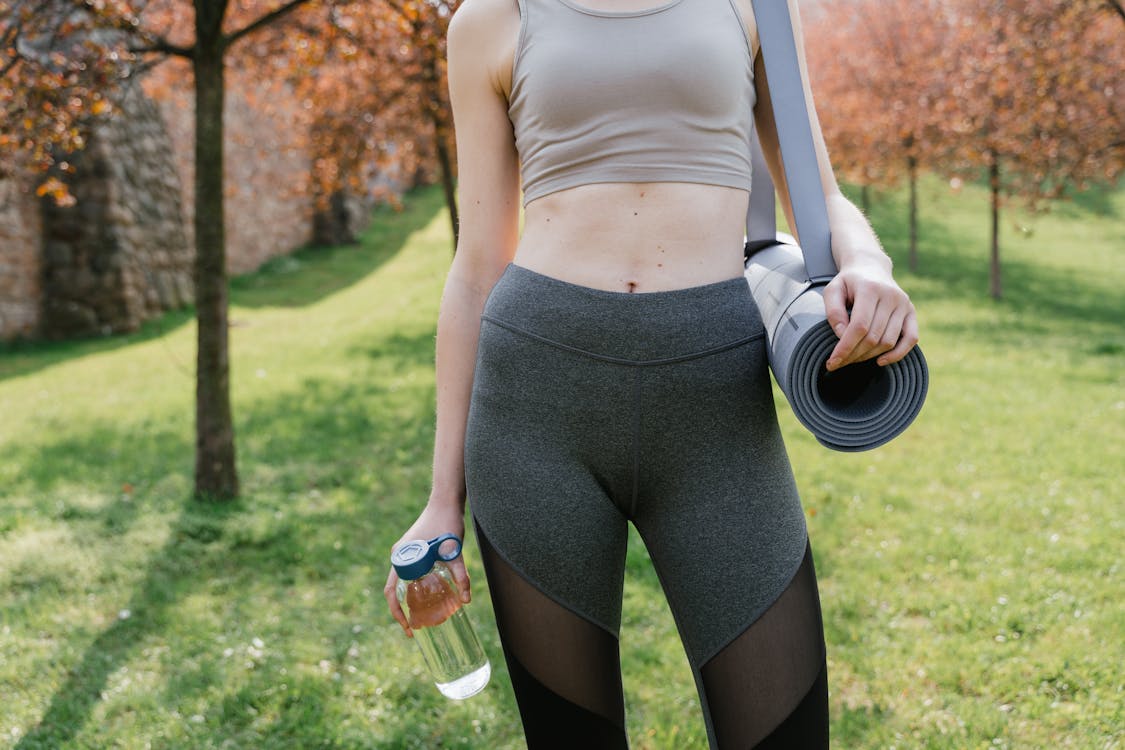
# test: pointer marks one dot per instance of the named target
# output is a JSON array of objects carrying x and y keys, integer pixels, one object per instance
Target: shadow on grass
[
  {"x": 25, "y": 357},
  {"x": 207, "y": 544},
  {"x": 1098, "y": 202},
  {"x": 170, "y": 573},
  {"x": 105, "y": 456},
  {"x": 295, "y": 280},
  {"x": 369, "y": 438},
  {"x": 329, "y": 462},
  {"x": 1040, "y": 295},
  {"x": 312, "y": 273}
]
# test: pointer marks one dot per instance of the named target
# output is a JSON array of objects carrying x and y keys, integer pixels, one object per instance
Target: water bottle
[{"x": 433, "y": 607}]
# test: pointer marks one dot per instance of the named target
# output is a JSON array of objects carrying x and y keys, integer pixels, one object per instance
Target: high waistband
[{"x": 640, "y": 328}]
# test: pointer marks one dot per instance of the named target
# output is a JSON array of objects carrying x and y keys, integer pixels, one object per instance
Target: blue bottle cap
[{"x": 416, "y": 558}]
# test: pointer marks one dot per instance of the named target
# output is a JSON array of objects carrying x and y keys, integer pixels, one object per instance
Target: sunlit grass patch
[{"x": 968, "y": 570}]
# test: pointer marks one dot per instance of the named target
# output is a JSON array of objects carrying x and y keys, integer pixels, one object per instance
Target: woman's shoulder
[
  {"x": 482, "y": 34},
  {"x": 483, "y": 17},
  {"x": 746, "y": 10}
]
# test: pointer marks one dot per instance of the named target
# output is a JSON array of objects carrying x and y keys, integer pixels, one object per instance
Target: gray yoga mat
[{"x": 855, "y": 408}]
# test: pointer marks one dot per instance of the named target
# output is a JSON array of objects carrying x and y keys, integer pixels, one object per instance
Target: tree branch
[
  {"x": 398, "y": 8},
  {"x": 1116, "y": 5},
  {"x": 125, "y": 23},
  {"x": 11, "y": 42},
  {"x": 164, "y": 47},
  {"x": 16, "y": 60},
  {"x": 265, "y": 20},
  {"x": 12, "y": 34}
]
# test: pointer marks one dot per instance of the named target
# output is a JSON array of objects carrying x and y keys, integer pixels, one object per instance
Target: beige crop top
[{"x": 662, "y": 94}]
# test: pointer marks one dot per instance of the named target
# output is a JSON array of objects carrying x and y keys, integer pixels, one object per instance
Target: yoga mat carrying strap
[
  {"x": 798, "y": 155},
  {"x": 858, "y": 407}
]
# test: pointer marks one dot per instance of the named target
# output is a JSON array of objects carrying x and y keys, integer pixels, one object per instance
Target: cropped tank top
[{"x": 663, "y": 94}]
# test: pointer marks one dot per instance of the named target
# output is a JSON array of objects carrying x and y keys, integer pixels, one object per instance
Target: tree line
[
  {"x": 1028, "y": 94},
  {"x": 370, "y": 76}
]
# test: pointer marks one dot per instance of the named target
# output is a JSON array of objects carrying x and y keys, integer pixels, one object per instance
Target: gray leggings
[{"x": 591, "y": 409}]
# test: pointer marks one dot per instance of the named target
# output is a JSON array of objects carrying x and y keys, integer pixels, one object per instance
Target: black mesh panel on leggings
[
  {"x": 565, "y": 671},
  {"x": 768, "y": 688}
]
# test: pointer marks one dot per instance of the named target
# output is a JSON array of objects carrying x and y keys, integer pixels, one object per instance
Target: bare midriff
[{"x": 636, "y": 237}]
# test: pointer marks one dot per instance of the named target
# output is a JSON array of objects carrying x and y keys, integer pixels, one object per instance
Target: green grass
[{"x": 970, "y": 571}]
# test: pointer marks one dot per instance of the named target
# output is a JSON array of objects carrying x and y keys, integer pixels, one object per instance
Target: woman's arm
[
  {"x": 488, "y": 188},
  {"x": 866, "y": 308}
]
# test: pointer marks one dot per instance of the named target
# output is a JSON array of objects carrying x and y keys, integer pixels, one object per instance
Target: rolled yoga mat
[
  {"x": 855, "y": 408},
  {"x": 860, "y": 406}
]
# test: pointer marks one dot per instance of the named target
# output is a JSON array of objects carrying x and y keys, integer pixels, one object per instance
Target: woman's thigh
[
  {"x": 540, "y": 459},
  {"x": 717, "y": 504}
]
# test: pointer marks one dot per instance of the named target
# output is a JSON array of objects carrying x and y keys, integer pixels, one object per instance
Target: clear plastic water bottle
[{"x": 433, "y": 607}]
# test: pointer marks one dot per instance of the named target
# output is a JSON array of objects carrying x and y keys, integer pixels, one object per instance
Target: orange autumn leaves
[
  {"x": 377, "y": 92},
  {"x": 367, "y": 79},
  {"x": 950, "y": 86},
  {"x": 1026, "y": 92},
  {"x": 1036, "y": 85},
  {"x": 53, "y": 72}
]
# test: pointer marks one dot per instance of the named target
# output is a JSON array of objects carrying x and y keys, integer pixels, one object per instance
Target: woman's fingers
[
  {"x": 836, "y": 305},
  {"x": 871, "y": 345},
  {"x": 906, "y": 341},
  {"x": 391, "y": 596},
  {"x": 461, "y": 578},
  {"x": 863, "y": 311},
  {"x": 436, "y": 519},
  {"x": 891, "y": 335},
  {"x": 877, "y": 324}
]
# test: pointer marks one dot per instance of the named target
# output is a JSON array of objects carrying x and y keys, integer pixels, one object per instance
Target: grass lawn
[{"x": 970, "y": 571}]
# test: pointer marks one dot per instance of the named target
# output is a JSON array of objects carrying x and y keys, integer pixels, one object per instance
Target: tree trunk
[
  {"x": 865, "y": 199},
  {"x": 1115, "y": 5},
  {"x": 994, "y": 287},
  {"x": 333, "y": 225},
  {"x": 912, "y": 167},
  {"x": 435, "y": 108},
  {"x": 216, "y": 477},
  {"x": 447, "y": 181}
]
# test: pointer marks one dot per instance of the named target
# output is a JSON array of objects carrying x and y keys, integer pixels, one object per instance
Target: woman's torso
[{"x": 636, "y": 237}]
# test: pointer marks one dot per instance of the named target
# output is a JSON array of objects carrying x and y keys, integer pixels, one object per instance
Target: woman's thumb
[
  {"x": 836, "y": 307},
  {"x": 461, "y": 577}
]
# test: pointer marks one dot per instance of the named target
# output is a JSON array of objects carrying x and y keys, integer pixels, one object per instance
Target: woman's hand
[
  {"x": 881, "y": 322},
  {"x": 436, "y": 519}
]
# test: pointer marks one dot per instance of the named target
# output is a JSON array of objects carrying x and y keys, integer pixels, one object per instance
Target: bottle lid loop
[
  {"x": 437, "y": 541},
  {"x": 415, "y": 558}
]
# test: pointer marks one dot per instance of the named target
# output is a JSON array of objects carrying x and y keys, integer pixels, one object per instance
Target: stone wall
[
  {"x": 20, "y": 288},
  {"x": 120, "y": 254},
  {"x": 123, "y": 253},
  {"x": 268, "y": 209}
]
